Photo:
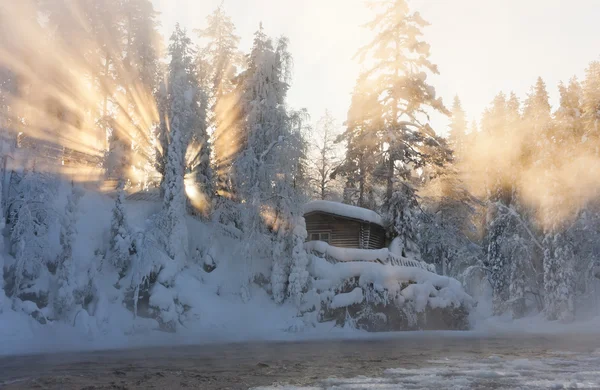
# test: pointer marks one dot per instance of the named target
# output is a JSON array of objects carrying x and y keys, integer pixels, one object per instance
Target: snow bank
[
  {"x": 382, "y": 297},
  {"x": 347, "y": 254},
  {"x": 347, "y": 299},
  {"x": 352, "y": 254},
  {"x": 343, "y": 210},
  {"x": 439, "y": 291}
]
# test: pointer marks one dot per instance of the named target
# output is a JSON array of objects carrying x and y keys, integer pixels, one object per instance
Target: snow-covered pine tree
[
  {"x": 362, "y": 146},
  {"x": 399, "y": 62},
  {"x": 182, "y": 114},
  {"x": 447, "y": 226},
  {"x": 266, "y": 166},
  {"x": 324, "y": 160},
  {"x": 30, "y": 218},
  {"x": 117, "y": 160},
  {"x": 458, "y": 129},
  {"x": 138, "y": 77},
  {"x": 559, "y": 278},
  {"x": 590, "y": 103},
  {"x": 218, "y": 58},
  {"x": 69, "y": 292},
  {"x": 121, "y": 245},
  {"x": 299, "y": 277},
  {"x": 298, "y": 147},
  {"x": 568, "y": 117},
  {"x": 497, "y": 261},
  {"x": 403, "y": 215},
  {"x": 218, "y": 62}
]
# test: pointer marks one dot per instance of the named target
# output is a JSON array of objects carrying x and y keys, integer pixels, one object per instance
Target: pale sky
[{"x": 480, "y": 46}]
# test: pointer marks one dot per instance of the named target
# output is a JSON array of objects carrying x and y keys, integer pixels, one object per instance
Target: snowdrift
[{"x": 358, "y": 291}]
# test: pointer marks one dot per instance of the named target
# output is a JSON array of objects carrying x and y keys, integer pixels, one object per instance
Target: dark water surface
[{"x": 306, "y": 363}]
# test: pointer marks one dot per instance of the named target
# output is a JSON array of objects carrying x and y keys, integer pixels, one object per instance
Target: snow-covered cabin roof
[{"x": 343, "y": 210}]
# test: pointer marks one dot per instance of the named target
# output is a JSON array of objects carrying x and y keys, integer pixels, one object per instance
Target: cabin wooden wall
[
  {"x": 376, "y": 237},
  {"x": 344, "y": 232}
]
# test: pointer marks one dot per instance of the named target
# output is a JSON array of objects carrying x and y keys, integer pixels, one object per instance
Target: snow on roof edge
[{"x": 343, "y": 210}]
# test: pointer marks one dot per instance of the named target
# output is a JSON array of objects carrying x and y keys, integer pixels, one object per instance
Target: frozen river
[{"x": 407, "y": 361}]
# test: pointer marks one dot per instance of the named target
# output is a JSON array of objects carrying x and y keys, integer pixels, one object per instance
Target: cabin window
[{"x": 320, "y": 237}]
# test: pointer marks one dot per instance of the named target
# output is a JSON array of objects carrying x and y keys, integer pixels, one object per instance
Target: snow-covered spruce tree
[
  {"x": 218, "y": 57},
  {"x": 362, "y": 146},
  {"x": 121, "y": 245},
  {"x": 266, "y": 164},
  {"x": 218, "y": 62},
  {"x": 69, "y": 291},
  {"x": 511, "y": 249},
  {"x": 324, "y": 160},
  {"x": 138, "y": 77},
  {"x": 447, "y": 228},
  {"x": 559, "y": 278},
  {"x": 299, "y": 277},
  {"x": 400, "y": 63},
  {"x": 522, "y": 281},
  {"x": 182, "y": 121},
  {"x": 590, "y": 103},
  {"x": 496, "y": 257},
  {"x": 458, "y": 129},
  {"x": 181, "y": 113},
  {"x": 30, "y": 218},
  {"x": 117, "y": 159},
  {"x": 402, "y": 216}
]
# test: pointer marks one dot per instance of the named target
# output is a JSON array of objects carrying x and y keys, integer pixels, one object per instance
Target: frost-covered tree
[
  {"x": 121, "y": 245},
  {"x": 324, "y": 161},
  {"x": 363, "y": 148},
  {"x": 183, "y": 122},
  {"x": 218, "y": 62},
  {"x": 403, "y": 218},
  {"x": 568, "y": 117},
  {"x": 591, "y": 103},
  {"x": 68, "y": 288},
  {"x": 299, "y": 277},
  {"x": 30, "y": 219},
  {"x": 182, "y": 128},
  {"x": 447, "y": 225},
  {"x": 265, "y": 169},
  {"x": 458, "y": 128},
  {"x": 496, "y": 257},
  {"x": 218, "y": 57},
  {"x": 559, "y": 277},
  {"x": 117, "y": 160},
  {"x": 398, "y": 65}
]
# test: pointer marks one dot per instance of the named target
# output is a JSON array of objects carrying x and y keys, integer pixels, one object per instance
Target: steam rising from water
[{"x": 554, "y": 172}]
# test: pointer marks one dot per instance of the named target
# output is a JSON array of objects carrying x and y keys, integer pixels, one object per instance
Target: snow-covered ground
[{"x": 219, "y": 309}]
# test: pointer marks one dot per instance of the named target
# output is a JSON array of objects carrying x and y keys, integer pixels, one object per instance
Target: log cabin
[{"x": 343, "y": 225}]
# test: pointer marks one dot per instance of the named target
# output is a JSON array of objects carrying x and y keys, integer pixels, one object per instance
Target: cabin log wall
[{"x": 345, "y": 232}]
